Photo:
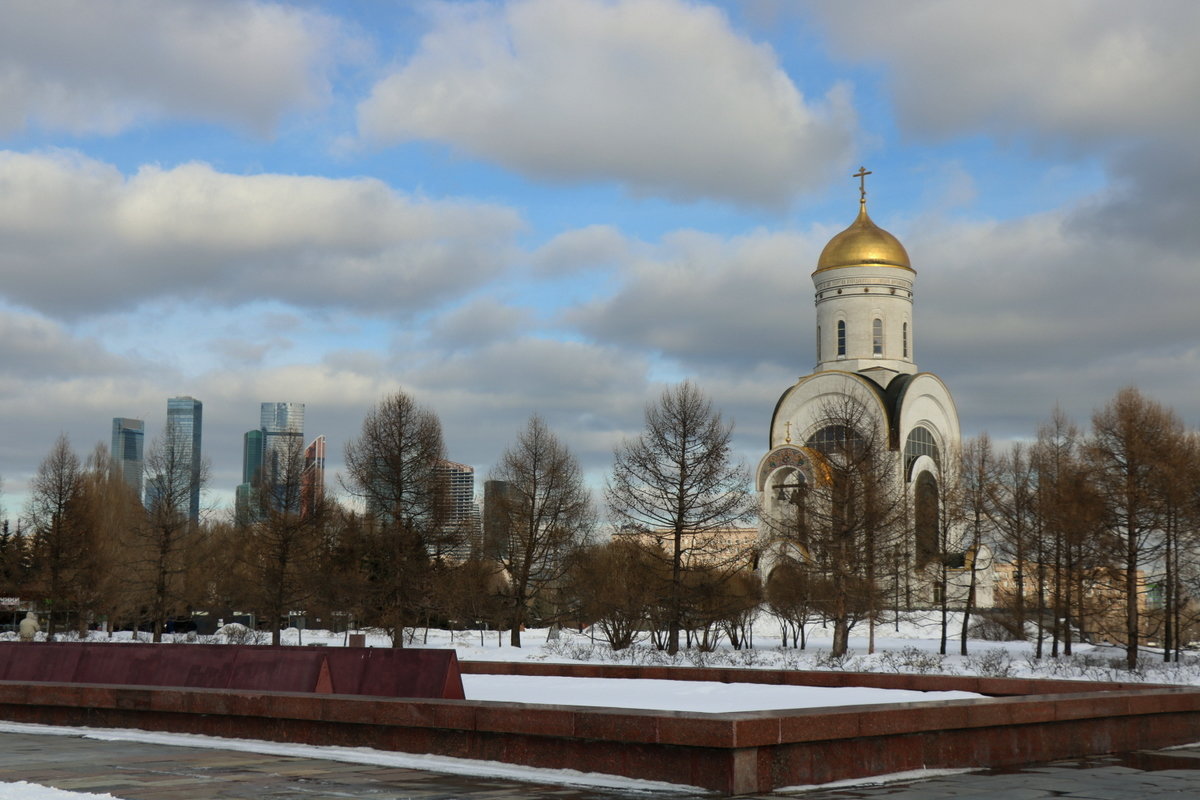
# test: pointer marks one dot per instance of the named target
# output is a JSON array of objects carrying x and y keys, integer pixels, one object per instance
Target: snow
[
  {"x": 906, "y": 645},
  {"x": 698, "y": 696},
  {"x": 909, "y": 644},
  {"x": 350, "y": 755},
  {"x": 31, "y": 791}
]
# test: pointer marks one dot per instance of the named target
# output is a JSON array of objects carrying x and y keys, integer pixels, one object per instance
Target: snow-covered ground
[
  {"x": 23, "y": 790},
  {"x": 908, "y": 645},
  {"x": 700, "y": 696}
]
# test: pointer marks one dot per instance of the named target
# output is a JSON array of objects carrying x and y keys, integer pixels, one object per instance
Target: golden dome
[{"x": 863, "y": 242}]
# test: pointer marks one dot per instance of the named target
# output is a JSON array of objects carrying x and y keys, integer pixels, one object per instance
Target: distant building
[
  {"x": 265, "y": 451},
  {"x": 283, "y": 438},
  {"x": 245, "y": 500},
  {"x": 731, "y": 547},
  {"x": 312, "y": 480},
  {"x": 495, "y": 519},
  {"x": 463, "y": 523},
  {"x": 128, "y": 436},
  {"x": 185, "y": 422}
]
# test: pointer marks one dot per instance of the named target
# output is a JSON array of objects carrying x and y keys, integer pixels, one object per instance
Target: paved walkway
[{"x": 137, "y": 771}]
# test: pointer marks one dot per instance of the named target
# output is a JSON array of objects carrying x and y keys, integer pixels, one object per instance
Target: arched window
[
  {"x": 818, "y": 343},
  {"x": 925, "y": 518},
  {"x": 904, "y": 336},
  {"x": 920, "y": 443},
  {"x": 877, "y": 337},
  {"x": 841, "y": 337},
  {"x": 834, "y": 439},
  {"x": 788, "y": 504}
]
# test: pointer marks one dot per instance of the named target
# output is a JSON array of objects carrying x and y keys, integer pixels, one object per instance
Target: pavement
[{"x": 136, "y": 771}]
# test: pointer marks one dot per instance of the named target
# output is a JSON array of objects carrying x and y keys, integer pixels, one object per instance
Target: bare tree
[
  {"x": 1181, "y": 535},
  {"x": 55, "y": 515},
  {"x": 161, "y": 549},
  {"x": 789, "y": 593},
  {"x": 1014, "y": 507},
  {"x": 854, "y": 515},
  {"x": 283, "y": 542},
  {"x": 547, "y": 512},
  {"x": 1132, "y": 440},
  {"x": 678, "y": 476},
  {"x": 978, "y": 478},
  {"x": 393, "y": 466},
  {"x": 612, "y": 586},
  {"x": 111, "y": 509}
]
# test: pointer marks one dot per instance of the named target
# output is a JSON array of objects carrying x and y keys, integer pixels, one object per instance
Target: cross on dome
[{"x": 862, "y": 174}]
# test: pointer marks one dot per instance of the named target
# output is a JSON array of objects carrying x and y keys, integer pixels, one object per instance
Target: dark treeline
[{"x": 1091, "y": 534}]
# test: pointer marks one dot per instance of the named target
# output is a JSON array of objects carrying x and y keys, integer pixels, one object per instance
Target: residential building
[{"x": 463, "y": 519}]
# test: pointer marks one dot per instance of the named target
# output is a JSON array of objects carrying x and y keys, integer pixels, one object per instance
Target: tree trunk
[{"x": 1131, "y": 609}]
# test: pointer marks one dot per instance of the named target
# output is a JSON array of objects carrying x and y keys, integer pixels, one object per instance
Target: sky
[{"x": 562, "y": 206}]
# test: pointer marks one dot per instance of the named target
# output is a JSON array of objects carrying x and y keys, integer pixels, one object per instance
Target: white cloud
[
  {"x": 478, "y": 323},
  {"x": 102, "y": 66},
  {"x": 80, "y": 237},
  {"x": 591, "y": 247},
  {"x": 659, "y": 95},
  {"x": 700, "y": 299},
  {"x": 37, "y": 348},
  {"x": 1090, "y": 71}
]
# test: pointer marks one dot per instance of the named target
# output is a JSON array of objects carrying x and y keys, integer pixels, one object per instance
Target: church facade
[{"x": 866, "y": 379}]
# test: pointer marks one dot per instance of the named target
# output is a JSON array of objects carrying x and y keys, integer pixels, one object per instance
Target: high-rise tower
[
  {"x": 463, "y": 522},
  {"x": 283, "y": 437},
  {"x": 312, "y": 480},
  {"x": 245, "y": 501},
  {"x": 265, "y": 460},
  {"x": 128, "y": 436},
  {"x": 185, "y": 418}
]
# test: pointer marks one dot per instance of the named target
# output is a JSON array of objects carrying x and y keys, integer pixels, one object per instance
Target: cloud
[
  {"x": 35, "y": 348},
  {"x": 1080, "y": 71},
  {"x": 478, "y": 323},
  {"x": 103, "y": 66},
  {"x": 1015, "y": 315},
  {"x": 79, "y": 238},
  {"x": 661, "y": 96},
  {"x": 703, "y": 300},
  {"x": 591, "y": 247}
]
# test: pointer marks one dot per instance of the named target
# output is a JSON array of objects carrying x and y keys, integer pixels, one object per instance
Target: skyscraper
[
  {"x": 128, "y": 436},
  {"x": 245, "y": 502},
  {"x": 463, "y": 520},
  {"x": 312, "y": 481},
  {"x": 280, "y": 436},
  {"x": 283, "y": 437},
  {"x": 185, "y": 416},
  {"x": 496, "y": 529}
]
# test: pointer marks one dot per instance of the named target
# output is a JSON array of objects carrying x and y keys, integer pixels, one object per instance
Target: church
[{"x": 865, "y": 378}]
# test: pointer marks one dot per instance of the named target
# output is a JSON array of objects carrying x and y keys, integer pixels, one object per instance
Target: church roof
[{"x": 863, "y": 243}]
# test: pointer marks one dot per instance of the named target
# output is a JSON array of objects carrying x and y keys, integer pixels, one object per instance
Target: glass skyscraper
[
  {"x": 283, "y": 438},
  {"x": 128, "y": 436},
  {"x": 312, "y": 481},
  {"x": 246, "y": 505},
  {"x": 185, "y": 416}
]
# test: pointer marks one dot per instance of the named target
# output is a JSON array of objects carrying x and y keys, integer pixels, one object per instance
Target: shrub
[
  {"x": 912, "y": 659},
  {"x": 994, "y": 663}
]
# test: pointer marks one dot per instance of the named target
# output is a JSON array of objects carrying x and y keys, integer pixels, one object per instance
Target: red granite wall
[
  {"x": 732, "y": 753},
  {"x": 385, "y": 672}
]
